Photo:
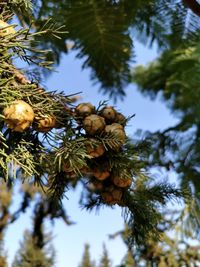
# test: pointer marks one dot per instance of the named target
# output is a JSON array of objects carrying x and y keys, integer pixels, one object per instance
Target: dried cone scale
[
  {"x": 69, "y": 170},
  {"x": 85, "y": 109},
  {"x": 19, "y": 115},
  {"x": 94, "y": 124},
  {"x": 6, "y": 31},
  {"x": 71, "y": 174}
]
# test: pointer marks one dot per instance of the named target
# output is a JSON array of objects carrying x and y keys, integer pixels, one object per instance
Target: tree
[
  {"x": 129, "y": 260},
  {"x": 3, "y": 256},
  {"x": 105, "y": 261},
  {"x": 173, "y": 249},
  {"x": 194, "y": 6},
  {"x": 58, "y": 145},
  {"x": 175, "y": 74},
  {"x": 46, "y": 139},
  {"x": 35, "y": 251},
  {"x": 30, "y": 256},
  {"x": 36, "y": 246},
  {"x": 86, "y": 260}
]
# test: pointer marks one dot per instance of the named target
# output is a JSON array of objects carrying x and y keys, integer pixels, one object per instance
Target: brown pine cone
[
  {"x": 95, "y": 186},
  {"x": 112, "y": 195},
  {"x": 19, "y": 115},
  {"x": 84, "y": 109},
  {"x": 101, "y": 175},
  {"x": 95, "y": 148},
  {"x": 118, "y": 131},
  {"x": 122, "y": 182},
  {"x": 108, "y": 113},
  {"x": 120, "y": 118},
  {"x": 94, "y": 124}
]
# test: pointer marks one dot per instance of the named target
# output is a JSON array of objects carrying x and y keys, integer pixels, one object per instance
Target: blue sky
[{"x": 90, "y": 227}]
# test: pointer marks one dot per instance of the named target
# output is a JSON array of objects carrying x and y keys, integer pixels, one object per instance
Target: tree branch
[{"x": 193, "y": 5}]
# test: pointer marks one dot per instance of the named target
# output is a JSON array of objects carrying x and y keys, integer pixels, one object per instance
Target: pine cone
[
  {"x": 95, "y": 148},
  {"x": 85, "y": 109},
  {"x": 94, "y": 124},
  {"x": 101, "y": 175},
  {"x": 108, "y": 113},
  {"x": 112, "y": 195},
  {"x": 72, "y": 175},
  {"x": 86, "y": 170},
  {"x": 121, "y": 181},
  {"x": 120, "y": 118},
  {"x": 67, "y": 168},
  {"x": 113, "y": 127},
  {"x": 118, "y": 131},
  {"x": 18, "y": 115}
]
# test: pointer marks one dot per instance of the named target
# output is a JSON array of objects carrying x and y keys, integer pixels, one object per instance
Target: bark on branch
[{"x": 193, "y": 5}]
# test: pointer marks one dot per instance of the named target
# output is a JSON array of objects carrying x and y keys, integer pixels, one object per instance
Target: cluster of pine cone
[{"x": 104, "y": 179}]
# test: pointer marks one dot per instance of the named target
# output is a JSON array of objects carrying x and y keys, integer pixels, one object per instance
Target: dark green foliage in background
[
  {"x": 175, "y": 75},
  {"x": 105, "y": 261},
  {"x": 86, "y": 259},
  {"x": 103, "y": 33},
  {"x": 30, "y": 255}
]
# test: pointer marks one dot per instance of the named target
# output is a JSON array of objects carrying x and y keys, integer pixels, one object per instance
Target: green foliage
[
  {"x": 175, "y": 74},
  {"x": 105, "y": 261},
  {"x": 21, "y": 5},
  {"x": 143, "y": 214},
  {"x": 102, "y": 40},
  {"x": 129, "y": 260},
  {"x": 29, "y": 255},
  {"x": 166, "y": 23},
  {"x": 3, "y": 254},
  {"x": 105, "y": 39},
  {"x": 86, "y": 260},
  {"x": 173, "y": 249}
]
